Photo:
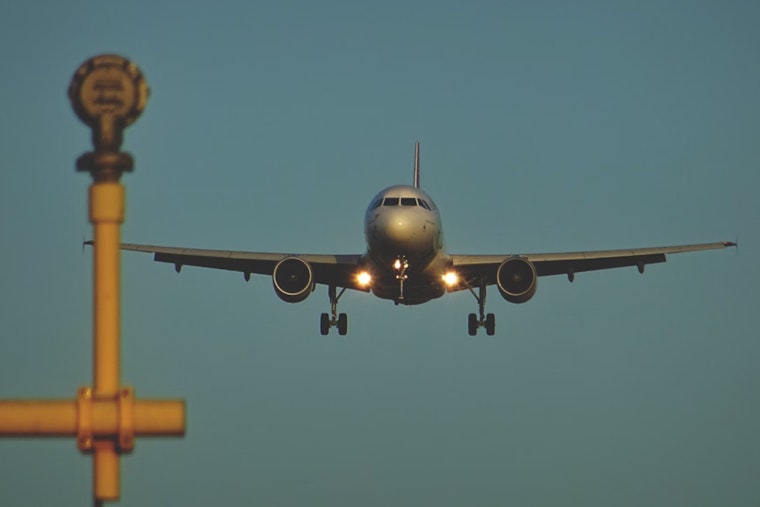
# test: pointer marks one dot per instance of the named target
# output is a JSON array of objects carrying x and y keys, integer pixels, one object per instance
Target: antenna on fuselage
[{"x": 417, "y": 165}]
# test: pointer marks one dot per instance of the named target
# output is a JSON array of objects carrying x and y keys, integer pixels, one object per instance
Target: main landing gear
[
  {"x": 487, "y": 321},
  {"x": 334, "y": 319}
]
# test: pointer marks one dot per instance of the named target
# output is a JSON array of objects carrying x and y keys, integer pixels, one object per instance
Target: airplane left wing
[
  {"x": 337, "y": 270},
  {"x": 473, "y": 267}
]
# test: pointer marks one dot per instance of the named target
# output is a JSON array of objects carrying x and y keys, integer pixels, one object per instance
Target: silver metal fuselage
[{"x": 402, "y": 226}]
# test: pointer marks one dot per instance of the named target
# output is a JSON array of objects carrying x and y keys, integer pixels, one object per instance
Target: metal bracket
[
  {"x": 123, "y": 434},
  {"x": 85, "y": 434},
  {"x": 126, "y": 404}
]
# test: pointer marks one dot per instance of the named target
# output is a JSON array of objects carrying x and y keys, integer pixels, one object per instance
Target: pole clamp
[
  {"x": 85, "y": 433},
  {"x": 123, "y": 404}
]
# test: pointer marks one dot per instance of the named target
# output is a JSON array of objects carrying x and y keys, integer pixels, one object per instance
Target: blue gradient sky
[{"x": 545, "y": 126}]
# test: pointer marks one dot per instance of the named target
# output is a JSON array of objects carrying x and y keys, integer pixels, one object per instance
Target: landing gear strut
[
  {"x": 487, "y": 321},
  {"x": 401, "y": 265},
  {"x": 334, "y": 319}
]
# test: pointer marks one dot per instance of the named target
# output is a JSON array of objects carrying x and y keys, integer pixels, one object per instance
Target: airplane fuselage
[{"x": 402, "y": 227}]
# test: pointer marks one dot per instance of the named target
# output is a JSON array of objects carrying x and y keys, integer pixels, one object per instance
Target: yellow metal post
[
  {"x": 106, "y": 215},
  {"x": 108, "y": 93}
]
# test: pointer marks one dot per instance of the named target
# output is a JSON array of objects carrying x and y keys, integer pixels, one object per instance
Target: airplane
[{"x": 405, "y": 262}]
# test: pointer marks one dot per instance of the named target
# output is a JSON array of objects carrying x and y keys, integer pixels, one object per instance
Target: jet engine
[
  {"x": 516, "y": 279},
  {"x": 293, "y": 279}
]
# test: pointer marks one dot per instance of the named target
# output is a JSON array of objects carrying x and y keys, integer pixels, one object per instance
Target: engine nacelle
[
  {"x": 516, "y": 279},
  {"x": 293, "y": 279}
]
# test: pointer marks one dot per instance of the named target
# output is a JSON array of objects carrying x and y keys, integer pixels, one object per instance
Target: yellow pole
[
  {"x": 106, "y": 215},
  {"x": 108, "y": 93}
]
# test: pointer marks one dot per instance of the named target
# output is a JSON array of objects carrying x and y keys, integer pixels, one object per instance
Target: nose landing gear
[
  {"x": 334, "y": 319},
  {"x": 487, "y": 321},
  {"x": 401, "y": 265}
]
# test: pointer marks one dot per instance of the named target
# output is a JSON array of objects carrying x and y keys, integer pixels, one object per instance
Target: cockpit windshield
[{"x": 402, "y": 201}]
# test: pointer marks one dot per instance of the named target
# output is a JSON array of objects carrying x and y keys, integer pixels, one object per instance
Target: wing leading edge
[
  {"x": 569, "y": 263},
  {"x": 338, "y": 270}
]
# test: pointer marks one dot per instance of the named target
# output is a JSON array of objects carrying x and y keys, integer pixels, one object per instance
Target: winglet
[
  {"x": 733, "y": 243},
  {"x": 417, "y": 165}
]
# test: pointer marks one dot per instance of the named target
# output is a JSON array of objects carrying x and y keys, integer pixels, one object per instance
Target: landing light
[
  {"x": 364, "y": 278},
  {"x": 450, "y": 278}
]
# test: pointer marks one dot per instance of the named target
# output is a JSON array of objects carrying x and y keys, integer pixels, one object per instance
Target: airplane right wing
[{"x": 475, "y": 267}]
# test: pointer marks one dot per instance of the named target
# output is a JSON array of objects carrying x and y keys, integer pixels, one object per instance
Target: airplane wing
[
  {"x": 474, "y": 267},
  {"x": 337, "y": 270}
]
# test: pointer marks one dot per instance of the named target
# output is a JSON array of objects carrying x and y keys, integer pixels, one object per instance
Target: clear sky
[{"x": 545, "y": 126}]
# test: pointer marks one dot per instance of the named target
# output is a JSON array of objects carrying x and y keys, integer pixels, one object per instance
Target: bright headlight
[
  {"x": 450, "y": 278},
  {"x": 364, "y": 278}
]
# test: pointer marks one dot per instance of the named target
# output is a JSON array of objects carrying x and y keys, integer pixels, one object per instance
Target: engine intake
[
  {"x": 293, "y": 279},
  {"x": 516, "y": 279}
]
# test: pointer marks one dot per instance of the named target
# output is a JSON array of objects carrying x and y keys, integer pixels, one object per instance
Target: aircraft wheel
[
  {"x": 490, "y": 324},
  {"x": 324, "y": 324},
  {"x": 472, "y": 324},
  {"x": 342, "y": 324}
]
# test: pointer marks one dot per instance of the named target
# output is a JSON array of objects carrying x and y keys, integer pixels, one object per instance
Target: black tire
[
  {"x": 490, "y": 324},
  {"x": 342, "y": 324},
  {"x": 324, "y": 324},
  {"x": 472, "y": 324}
]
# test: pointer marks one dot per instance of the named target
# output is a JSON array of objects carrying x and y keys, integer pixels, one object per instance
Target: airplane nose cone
[
  {"x": 403, "y": 232},
  {"x": 398, "y": 229}
]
